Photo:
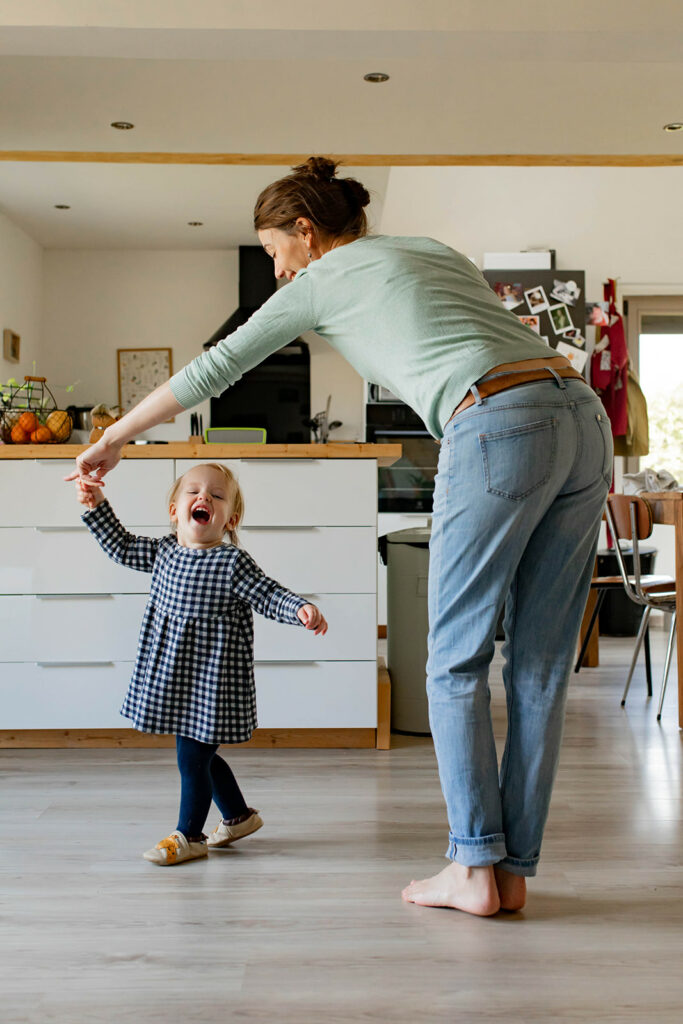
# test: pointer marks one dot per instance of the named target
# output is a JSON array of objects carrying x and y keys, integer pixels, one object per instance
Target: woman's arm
[
  {"x": 160, "y": 405},
  {"x": 282, "y": 318}
]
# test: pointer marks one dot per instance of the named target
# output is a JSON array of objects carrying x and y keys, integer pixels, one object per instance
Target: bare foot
[
  {"x": 511, "y": 889},
  {"x": 470, "y": 889}
]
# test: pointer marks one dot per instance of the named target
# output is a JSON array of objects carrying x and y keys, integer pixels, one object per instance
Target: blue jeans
[{"x": 522, "y": 480}]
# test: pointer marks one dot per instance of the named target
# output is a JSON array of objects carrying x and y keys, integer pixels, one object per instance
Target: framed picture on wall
[
  {"x": 141, "y": 370},
  {"x": 11, "y": 346}
]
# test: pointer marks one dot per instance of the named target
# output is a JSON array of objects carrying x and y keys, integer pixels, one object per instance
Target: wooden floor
[{"x": 304, "y": 923}]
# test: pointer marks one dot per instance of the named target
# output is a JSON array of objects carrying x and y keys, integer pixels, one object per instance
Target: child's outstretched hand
[
  {"x": 313, "y": 618},
  {"x": 88, "y": 494}
]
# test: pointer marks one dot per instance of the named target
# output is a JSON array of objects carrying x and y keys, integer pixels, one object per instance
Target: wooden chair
[
  {"x": 602, "y": 585},
  {"x": 630, "y": 518}
]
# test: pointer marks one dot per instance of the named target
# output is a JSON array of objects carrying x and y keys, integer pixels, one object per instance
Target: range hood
[
  {"x": 256, "y": 284},
  {"x": 275, "y": 395}
]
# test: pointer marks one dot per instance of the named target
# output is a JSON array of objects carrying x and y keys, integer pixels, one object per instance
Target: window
[{"x": 660, "y": 346}]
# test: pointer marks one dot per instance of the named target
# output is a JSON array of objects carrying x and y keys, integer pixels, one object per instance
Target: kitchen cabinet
[{"x": 70, "y": 617}]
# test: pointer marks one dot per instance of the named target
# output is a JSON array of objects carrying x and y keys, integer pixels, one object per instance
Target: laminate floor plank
[{"x": 303, "y": 921}]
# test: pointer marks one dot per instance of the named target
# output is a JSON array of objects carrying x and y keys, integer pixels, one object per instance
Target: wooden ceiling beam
[{"x": 355, "y": 159}]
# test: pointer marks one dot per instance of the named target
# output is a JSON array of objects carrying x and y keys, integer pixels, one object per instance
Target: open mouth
[{"x": 200, "y": 515}]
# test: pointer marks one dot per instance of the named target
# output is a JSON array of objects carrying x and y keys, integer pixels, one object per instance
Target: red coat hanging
[{"x": 609, "y": 365}]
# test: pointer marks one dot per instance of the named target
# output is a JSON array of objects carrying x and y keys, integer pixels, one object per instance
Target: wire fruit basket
[{"x": 29, "y": 414}]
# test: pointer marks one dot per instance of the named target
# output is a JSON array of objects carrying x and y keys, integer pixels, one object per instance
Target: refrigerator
[{"x": 551, "y": 302}]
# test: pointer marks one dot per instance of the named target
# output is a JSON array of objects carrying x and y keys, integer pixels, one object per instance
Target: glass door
[
  {"x": 659, "y": 364},
  {"x": 655, "y": 341}
]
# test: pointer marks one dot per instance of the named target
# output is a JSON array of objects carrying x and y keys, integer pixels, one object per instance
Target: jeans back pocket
[{"x": 518, "y": 460}]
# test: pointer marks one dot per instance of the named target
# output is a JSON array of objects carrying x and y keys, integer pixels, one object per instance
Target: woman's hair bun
[
  {"x": 356, "y": 190},
  {"x": 322, "y": 169},
  {"x": 319, "y": 167}
]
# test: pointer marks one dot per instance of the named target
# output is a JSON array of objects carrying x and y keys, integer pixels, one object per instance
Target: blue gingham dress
[{"x": 194, "y": 672}]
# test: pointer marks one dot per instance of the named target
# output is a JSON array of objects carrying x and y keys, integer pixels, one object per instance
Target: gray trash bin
[{"x": 407, "y": 557}]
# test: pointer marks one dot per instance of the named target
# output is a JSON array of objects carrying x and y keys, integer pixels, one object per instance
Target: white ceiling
[
  {"x": 132, "y": 206},
  {"x": 214, "y": 76}
]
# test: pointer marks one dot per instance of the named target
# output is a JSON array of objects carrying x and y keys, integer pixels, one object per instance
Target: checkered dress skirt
[{"x": 194, "y": 672}]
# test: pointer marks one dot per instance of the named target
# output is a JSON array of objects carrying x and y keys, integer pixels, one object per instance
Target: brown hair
[
  {"x": 334, "y": 205},
  {"x": 234, "y": 493}
]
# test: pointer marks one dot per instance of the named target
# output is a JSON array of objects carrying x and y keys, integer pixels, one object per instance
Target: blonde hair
[{"x": 234, "y": 494}]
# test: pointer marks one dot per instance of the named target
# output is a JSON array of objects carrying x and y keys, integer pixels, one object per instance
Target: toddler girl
[{"x": 194, "y": 672}]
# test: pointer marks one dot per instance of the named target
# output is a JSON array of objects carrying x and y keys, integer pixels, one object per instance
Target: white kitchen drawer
[
  {"x": 58, "y": 560},
  {"x": 105, "y": 627},
  {"x": 304, "y": 492},
  {"x": 352, "y": 633},
  {"x": 324, "y": 559},
  {"x": 33, "y": 493},
  {"x": 74, "y": 696},
  {"x": 78, "y": 628},
  {"x": 88, "y": 695},
  {"x": 317, "y": 695}
]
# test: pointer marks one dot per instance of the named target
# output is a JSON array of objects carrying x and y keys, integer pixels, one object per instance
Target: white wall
[
  {"x": 332, "y": 375},
  {"x": 21, "y": 282},
  {"x": 98, "y": 301},
  {"x": 619, "y": 222}
]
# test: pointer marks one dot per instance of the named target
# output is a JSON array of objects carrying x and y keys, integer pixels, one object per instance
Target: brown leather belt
[{"x": 486, "y": 387}]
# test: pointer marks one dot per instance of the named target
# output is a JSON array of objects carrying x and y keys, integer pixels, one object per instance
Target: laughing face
[{"x": 202, "y": 508}]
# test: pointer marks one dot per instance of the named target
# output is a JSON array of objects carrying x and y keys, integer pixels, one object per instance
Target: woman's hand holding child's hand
[
  {"x": 89, "y": 494},
  {"x": 313, "y": 618}
]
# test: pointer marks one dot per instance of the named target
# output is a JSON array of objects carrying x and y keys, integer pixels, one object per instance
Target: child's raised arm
[
  {"x": 269, "y": 599},
  {"x": 122, "y": 547}
]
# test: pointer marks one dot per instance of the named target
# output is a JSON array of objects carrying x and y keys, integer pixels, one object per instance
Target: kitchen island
[{"x": 69, "y": 617}]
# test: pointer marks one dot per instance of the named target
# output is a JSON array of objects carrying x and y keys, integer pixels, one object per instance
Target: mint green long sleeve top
[{"x": 410, "y": 314}]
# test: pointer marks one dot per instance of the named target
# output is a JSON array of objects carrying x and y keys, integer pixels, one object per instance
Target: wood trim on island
[
  {"x": 386, "y": 454},
  {"x": 96, "y": 739}
]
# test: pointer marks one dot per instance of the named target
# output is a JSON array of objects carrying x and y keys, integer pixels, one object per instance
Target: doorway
[{"x": 655, "y": 342}]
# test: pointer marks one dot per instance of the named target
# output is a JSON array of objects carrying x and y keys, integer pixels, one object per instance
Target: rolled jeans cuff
[
  {"x": 478, "y": 852},
  {"x": 525, "y": 868}
]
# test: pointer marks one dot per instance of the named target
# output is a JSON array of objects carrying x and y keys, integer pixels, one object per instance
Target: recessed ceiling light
[
  {"x": 195, "y": 223},
  {"x": 123, "y": 126},
  {"x": 675, "y": 126},
  {"x": 376, "y": 76},
  {"x": 62, "y": 206}
]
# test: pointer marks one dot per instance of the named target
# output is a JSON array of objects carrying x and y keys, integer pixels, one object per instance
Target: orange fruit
[
  {"x": 28, "y": 421},
  {"x": 19, "y": 435},
  {"x": 59, "y": 423},
  {"x": 42, "y": 435}
]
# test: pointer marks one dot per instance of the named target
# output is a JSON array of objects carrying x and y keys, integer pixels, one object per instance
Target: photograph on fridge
[
  {"x": 560, "y": 318},
  {"x": 536, "y": 299},
  {"x": 534, "y": 322},
  {"x": 510, "y": 294},
  {"x": 566, "y": 291}
]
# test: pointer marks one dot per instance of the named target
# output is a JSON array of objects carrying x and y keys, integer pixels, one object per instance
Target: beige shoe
[
  {"x": 174, "y": 849},
  {"x": 226, "y": 834}
]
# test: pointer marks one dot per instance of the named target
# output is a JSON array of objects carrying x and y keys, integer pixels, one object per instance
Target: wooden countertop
[{"x": 386, "y": 454}]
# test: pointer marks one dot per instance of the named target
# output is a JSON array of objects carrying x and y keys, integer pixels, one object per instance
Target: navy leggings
[{"x": 204, "y": 776}]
